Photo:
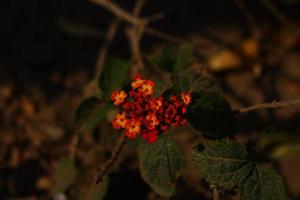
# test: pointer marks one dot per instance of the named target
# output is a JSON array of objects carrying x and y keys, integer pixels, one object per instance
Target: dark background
[{"x": 48, "y": 51}]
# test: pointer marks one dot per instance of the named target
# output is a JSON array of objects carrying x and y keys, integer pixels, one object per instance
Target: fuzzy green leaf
[
  {"x": 263, "y": 184},
  {"x": 64, "y": 175},
  {"x": 175, "y": 58},
  {"x": 91, "y": 112},
  {"x": 160, "y": 163},
  {"x": 210, "y": 113},
  {"x": 114, "y": 75},
  {"x": 225, "y": 164},
  {"x": 188, "y": 80},
  {"x": 184, "y": 57},
  {"x": 222, "y": 163}
]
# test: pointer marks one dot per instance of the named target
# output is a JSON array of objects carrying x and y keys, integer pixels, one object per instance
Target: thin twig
[
  {"x": 165, "y": 36},
  {"x": 101, "y": 173},
  {"x": 273, "y": 105},
  {"x": 134, "y": 34},
  {"x": 119, "y": 12},
  {"x": 110, "y": 34},
  {"x": 133, "y": 19},
  {"x": 138, "y": 7}
]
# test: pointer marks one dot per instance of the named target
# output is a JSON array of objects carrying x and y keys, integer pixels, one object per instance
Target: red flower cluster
[{"x": 145, "y": 115}]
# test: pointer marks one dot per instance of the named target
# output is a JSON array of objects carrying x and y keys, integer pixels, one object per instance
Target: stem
[
  {"x": 165, "y": 36},
  {"x": 119, "y": 12},
  {"x": 112, "y": 160},
  {"x": 273, "y": 105}
]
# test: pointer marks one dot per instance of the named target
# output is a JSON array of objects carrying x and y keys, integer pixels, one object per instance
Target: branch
[
  {"x": 137, "y": 30},
  {"x": 166, "y": 36},
  {"x": 273, "y": 105},
  {"x": 101, "y": 173},
  {"x": 119, "y": 12},
  {"x": 134, "y": 34},
  {"x": 138, "y": 7}
]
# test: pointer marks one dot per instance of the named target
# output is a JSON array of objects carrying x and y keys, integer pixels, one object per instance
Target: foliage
[
  {"x": 207, "y": 110},
  {"x": 222, "y": 162},
  {"x": 113, "y": 75},
  {"x": 225, "y": 164},
  {"x": 160, "y": 163},
  {"x": 175, "y": 58}
]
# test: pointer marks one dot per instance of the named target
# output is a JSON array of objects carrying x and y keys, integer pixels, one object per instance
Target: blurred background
[{"x": 49, "y": 52}]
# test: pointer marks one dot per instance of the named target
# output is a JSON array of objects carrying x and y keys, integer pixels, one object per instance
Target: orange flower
[
  {"x": 186, "y": 98},
  {"x": 133, "y": 128},
  {"x": 137, "y": 81},
  {"x": 120, "y": 120},
  {"x": 147, "y": 88},
  {"x": 118, "y": 97},
  {"x": 151, "y": 121}
]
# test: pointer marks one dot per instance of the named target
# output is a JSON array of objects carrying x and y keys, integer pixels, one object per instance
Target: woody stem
[{"x": 109, "y": 164}]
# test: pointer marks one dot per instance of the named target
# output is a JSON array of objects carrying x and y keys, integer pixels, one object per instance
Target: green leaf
[
  {"x": 160, "y": 163},
  {"x": 222, "y": 163},
  {"x": 184, "y": 57},
  {"x": 175, "y": 58},
  {"x": 188, "y": 80},
  {"x": 183, "y": 81},
  {"x": 91, "y": 112},
  {"x": 263, "y": 184},
  {"x": 210, "y": 113},
  {"x": 225, "y": 164},
  {"x": 114, "y": 75},
  {"x": 64, "y": 175},
  {"x": 204, "y": 83}
]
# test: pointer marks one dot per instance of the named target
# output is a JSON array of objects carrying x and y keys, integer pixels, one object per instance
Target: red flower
[
  {"x": 146, "y": 115},
  {"x": 120, "y": 120},
  {"x": 151, "y": 121},
  {"x": 150, "y": 136},
  {"x": 156, "y": 104},
  {"x": 147, "y": 88},
  {"x": 137, "y": 81},
  {"x": 133, "y": 128},
  {"x": 129, "y": 106},
  {"x": 118, "y": 97}
]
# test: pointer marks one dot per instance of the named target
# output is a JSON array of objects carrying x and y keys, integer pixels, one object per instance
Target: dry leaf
[{"x": 223, "y": 61}]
